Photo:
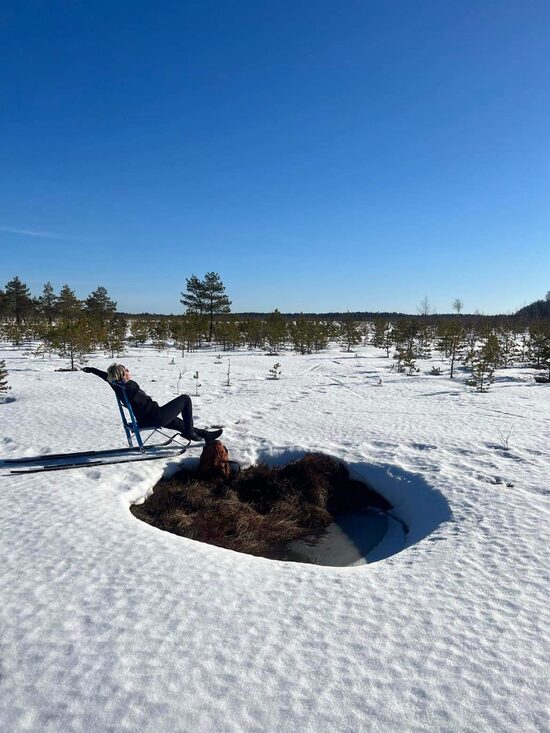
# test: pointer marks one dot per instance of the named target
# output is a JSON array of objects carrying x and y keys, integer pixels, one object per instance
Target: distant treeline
[
  {"x": 467, "y": 319},
  {"x": 538, "y": 309},
  {"x": 61, "y": 323}
]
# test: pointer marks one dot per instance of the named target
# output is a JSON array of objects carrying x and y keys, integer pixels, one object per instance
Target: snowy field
[{"x": 111, "y": 625}]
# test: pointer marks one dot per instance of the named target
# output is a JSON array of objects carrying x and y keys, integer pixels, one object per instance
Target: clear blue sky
[{"x": 318, "y": 155}]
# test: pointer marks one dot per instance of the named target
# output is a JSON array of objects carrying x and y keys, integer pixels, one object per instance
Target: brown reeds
[{"x": 260, "y": 508}]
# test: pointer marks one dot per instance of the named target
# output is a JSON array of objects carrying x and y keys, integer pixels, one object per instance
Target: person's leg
[
  {"x": 170, "y": 411},
  {"x": 169, "y": 419},
  {"x": 177, "y": 424}
]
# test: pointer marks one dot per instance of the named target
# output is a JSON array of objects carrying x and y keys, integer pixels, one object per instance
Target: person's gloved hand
[{"x": 86, "y": 369}]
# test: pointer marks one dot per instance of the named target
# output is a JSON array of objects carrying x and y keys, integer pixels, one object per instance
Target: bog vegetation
[
  {"x": 474, "y": 345},
  {"x": 260, "y": 508}
]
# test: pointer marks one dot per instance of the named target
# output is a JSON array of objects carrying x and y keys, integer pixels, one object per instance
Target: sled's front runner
[
  {"x": 87, "y": 459},
  {"x": 83, "y": 459}
]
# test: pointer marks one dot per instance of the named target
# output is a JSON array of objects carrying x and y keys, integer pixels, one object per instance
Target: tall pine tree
[
  {"x": 206, "y": 297},
  {"x": 47, "y": 302},
  {"x": 70, "y": 307},
  {"x": 99, "y": 306},
  {"x": 18, "y": 299}
]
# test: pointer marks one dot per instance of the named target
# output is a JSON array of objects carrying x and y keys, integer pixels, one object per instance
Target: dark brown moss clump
[{"x": 260, "y": 508}]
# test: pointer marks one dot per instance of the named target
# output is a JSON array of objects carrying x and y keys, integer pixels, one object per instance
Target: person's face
[{"x": 126, "y": 377}]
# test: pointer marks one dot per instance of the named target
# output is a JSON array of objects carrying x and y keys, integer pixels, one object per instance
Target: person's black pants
[{"x": 170, "y": 411}]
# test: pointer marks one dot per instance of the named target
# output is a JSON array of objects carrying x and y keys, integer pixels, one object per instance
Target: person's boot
[
  {"x": 209, "y": 436},
  {"x": 191, "y": 435}
]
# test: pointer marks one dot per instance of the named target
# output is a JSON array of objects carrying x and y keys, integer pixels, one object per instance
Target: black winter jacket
[{"x": 145, "y": 409}]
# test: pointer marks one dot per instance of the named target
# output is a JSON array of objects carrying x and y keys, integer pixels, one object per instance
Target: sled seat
[{"x": 129, "y": 422}]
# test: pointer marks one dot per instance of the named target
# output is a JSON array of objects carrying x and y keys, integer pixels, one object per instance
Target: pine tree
[
  {"x": 321, "y": 333},
  {"x": 381, "y": 329},
  {"x": 18, "y": 299},
  {"x": 206, "y": 296},
  {"x": 275, "y": 371},
  {"x": 275, "y": 330},
  {"x": 254, "y": 332},
  {"x": 424, "y": 340},
  {"x": 216, "y": 300},
  {"x": 382, "y": 336},
  {"x": 451, "y": 341},
  {"x": 160, "y": 331},
  {"x": 73, "y": 335},
  {"x": 227, "y": 333},
  {"x": 302, "y": 334},
  {"x": 71, "y": 338},
  {"x": 482, "y": 374},
  {"x": 507, "y": 338},
  {"x": 484, "y": 363},
  {"x": 350, "y": 332},
  {"x": 69, "y": 306},
  {"x": 3, "y": 304},
  {"x": 404, "y": 333},
  {"x": 188, "y": 331},
  {"x": 409, "y": 362},
  {"x": 47, "y": 302},
  {"x": 492, "y": 351},
  {"x": 194, "y": 299},
  {"x": 13, "y": 332},
  {"x": 524, "y": 347},
  {"x": 405, "y": 360},
  {"x": 99, "y": 306},
  {"x": 539, "y": 333},
  {"x": 399, "y": 357},
  {"x": 471, "y": 338},
  {"x": 139, "y": 332},
  {"x": 3, "y": 377},
  {"x": 114, "y": 339}
]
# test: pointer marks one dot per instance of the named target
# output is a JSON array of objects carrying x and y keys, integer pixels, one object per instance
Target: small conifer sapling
[{"x": 3, "y": 377}]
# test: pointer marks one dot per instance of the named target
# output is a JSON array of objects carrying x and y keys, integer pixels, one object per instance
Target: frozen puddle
[{"x": 354, "y": 538}]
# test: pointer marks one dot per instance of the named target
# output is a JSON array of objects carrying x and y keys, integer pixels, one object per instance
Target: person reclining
[{"x": 147, "y": 412}]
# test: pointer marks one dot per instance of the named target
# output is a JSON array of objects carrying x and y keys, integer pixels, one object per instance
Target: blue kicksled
[{"x": 141, "y": 452}]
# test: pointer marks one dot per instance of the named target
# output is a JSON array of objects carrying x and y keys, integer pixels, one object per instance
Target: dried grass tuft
[{"x": 258, "y": 509}]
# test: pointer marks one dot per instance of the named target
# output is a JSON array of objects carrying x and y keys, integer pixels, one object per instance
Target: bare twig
[{"x": 505, "y": 437}]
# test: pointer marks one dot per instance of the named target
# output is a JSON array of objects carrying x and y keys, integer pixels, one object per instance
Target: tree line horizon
[
  {"x": 74, "y": 328},
  {"x": 16, "y": 297}
]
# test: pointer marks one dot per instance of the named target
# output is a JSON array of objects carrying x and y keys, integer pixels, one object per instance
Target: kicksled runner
[{"x": 170, "y": 448}]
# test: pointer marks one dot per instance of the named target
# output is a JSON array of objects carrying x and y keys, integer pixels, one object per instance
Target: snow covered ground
[{"x": 108, "y": 624}]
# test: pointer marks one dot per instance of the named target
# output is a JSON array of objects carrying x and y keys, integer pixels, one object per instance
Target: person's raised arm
[{"x": 97, "y": 372}]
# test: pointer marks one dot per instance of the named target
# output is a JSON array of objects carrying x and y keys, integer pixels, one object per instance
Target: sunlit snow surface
[{"x": 109, "y": 624}]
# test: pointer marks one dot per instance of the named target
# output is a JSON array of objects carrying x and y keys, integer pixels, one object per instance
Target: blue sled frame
[
  {"x": 130, "y": 424},
  {"x": 86, "y": 459}
]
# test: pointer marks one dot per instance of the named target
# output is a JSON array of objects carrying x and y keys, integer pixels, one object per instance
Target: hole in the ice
[{"x": 308, "y": 510}]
